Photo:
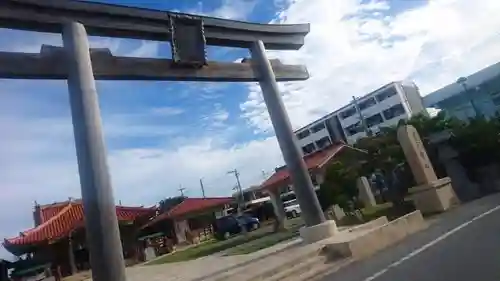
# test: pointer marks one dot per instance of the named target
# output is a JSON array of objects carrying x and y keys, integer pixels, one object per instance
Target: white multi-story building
[{"x": 383, "y": 107}]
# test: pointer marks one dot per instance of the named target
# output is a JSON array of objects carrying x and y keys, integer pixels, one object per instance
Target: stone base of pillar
[
  {"x": 318, "y": 232},
  {"x": 435, "y": 197}
]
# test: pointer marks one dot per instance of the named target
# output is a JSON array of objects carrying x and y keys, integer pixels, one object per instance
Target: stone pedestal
[
  {"x": 318, "y": 232},
  {"x": 434, "y": 197},
  {"x": 431, "y": 195}
]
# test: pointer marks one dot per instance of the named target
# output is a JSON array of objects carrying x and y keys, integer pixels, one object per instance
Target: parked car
[
  {"x": 292, "y": 208},
  {"x": 231, "y": 225}
]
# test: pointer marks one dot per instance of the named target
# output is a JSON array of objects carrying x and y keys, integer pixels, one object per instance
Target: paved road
[{"x": 463, "y": 245}]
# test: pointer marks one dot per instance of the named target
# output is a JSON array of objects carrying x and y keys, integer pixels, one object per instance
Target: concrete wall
[
  {"x": 371, "y": 224},
  {"x": 386, "y": 235},
  {"x": 379, "y": 238}
]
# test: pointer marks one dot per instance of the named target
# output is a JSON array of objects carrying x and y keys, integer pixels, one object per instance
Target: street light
[{"x": 463, "y": 82}]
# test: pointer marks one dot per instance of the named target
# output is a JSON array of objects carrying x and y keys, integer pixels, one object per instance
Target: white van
[{"x": 292, "y": 208}]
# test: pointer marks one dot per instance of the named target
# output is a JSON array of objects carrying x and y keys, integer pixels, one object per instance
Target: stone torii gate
[{"x": 188, "y": 36}]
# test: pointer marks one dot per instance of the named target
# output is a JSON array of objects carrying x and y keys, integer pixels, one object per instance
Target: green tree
[
  {"x": 339, "y": 187},
  {"x": 477, "y": 141},
  {"x": 167, "y": 204},
  {"x": 427, "y": 125}
]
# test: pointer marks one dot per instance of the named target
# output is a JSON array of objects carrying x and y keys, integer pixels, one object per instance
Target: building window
[
  {"x": 318, "y": 127},
  {"x": 394, "y": 111},
  {"x": 303, "y": 134},
  {"x": 323, "y": 142},
  {"x": 310, "y": 148},
  {"x": 387, "y": 94},
  {"x": 354, "y": 129},
  {"x": 348, "y": 113},
  {"x": 374, "y": 120},
  {"x": 367, "y": 103}
]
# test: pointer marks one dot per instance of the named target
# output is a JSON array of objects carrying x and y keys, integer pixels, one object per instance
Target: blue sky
[{"x": 161, "y": 135}]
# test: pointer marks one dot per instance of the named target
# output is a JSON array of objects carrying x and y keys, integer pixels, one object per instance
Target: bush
[{"x": 339, "y": 187}]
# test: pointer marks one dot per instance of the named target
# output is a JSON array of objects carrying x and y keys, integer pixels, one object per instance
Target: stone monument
[
  {"x": 431, "y": 195},
  {"x": 365, "y": 192}
]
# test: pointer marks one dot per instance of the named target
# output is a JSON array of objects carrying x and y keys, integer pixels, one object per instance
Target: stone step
[
  {"x": 315, "y": 265},
  {"x": 299, "y": 269},
  {"x": 269, "y": 266},
  {"x": 319, "y": 270}
]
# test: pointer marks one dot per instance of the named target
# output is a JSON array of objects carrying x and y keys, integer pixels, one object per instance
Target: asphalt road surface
[{"x": 462, "y": 245}]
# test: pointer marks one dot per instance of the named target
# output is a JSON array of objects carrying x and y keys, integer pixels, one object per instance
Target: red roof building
[
  {"x": 192, "y": 206},
  {"x": 314, "y": 161},
  {"x": 58, "y": 220}
]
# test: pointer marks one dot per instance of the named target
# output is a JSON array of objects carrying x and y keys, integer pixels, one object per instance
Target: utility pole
[
  {"x": 239, "y": 189},
  {"x": 241, "y": 199},
  {"x": 361, "y": 117},
  {"x": 181, "y": 189},
  {"x": 202, "y": 188}
]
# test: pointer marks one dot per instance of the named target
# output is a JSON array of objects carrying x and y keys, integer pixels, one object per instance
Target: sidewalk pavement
[{"x": 214, "y": 267}]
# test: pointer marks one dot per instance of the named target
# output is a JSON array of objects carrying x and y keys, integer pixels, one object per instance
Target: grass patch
[
  {"x": 262, "y": 243},
  {"x": 269, "y": 240},
  {"x": 371, "y": 213},
  {"x": 211, "y": 247},
  {"x": 387, "y": 210}
]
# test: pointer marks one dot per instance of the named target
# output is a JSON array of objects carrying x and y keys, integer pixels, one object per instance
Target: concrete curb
[
  {"x": 370, "y": 225},
  {"x": 243, "y": 274},
  {"x": 379, "y": 238}
]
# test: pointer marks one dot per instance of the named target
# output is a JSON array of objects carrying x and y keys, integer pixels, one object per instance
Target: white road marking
[{"x": 430, "y": 244}]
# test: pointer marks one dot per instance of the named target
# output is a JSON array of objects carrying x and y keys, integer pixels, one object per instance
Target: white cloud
[
  {"x": 238, "y": 10},
  {"x": 230, "y": 9},
  {"x": 354, "y": 48},
  {"x": 146, "y": 49},
  {"x": 220, "y": 114},
  {"x": 167, "y": 111}
]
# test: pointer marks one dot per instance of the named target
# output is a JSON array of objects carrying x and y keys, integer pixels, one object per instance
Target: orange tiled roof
[
  {"x": 191, "y": 205},
  {"x": 313, "y": 161},
  {"x": 58, "y": 220},
  {"x": 49, "y": 210}
]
